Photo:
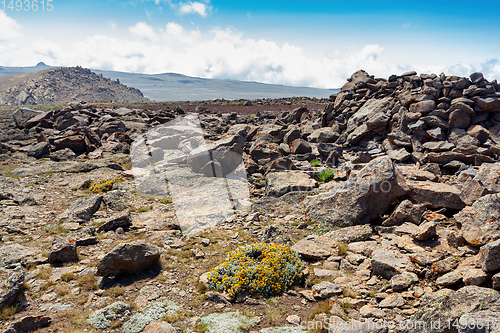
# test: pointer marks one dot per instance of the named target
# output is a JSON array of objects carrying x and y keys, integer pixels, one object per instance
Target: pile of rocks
[{"x": 65, "y": 84}]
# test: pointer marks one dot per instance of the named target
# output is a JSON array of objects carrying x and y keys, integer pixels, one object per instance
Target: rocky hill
[
  {"x": 61, "y": 85},
  {"x": 378, "y": 213}
]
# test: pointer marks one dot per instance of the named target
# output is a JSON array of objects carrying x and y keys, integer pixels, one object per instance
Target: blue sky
[{"x": 302, "y": 43}]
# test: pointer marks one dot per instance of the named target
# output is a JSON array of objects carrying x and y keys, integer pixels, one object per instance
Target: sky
[{"x": 299, "y": 43}]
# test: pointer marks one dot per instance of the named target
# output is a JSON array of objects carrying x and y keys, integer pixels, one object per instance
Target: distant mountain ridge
[{"x": 178, "y": 87}]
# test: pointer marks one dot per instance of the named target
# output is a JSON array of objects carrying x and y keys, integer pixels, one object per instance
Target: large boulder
[
  {"x": 362, "y": 198},
  {"x": 481, "y": 221},
  {"x": 435, "y": 195},
  {"x": 23, "y": 115},
  {"x": 279, "y": 183},
  {"x": 226, "y": 152},
  {"x": 128, "y": 258},
  {"x": 11, "y": 287}
]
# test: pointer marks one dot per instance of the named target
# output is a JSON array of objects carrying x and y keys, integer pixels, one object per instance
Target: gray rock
[
  {"x": 279, "y": 183},
  {"x": 327, "y": 289},
  {"x": 406, "y": 212},
  {"x": 394, "y": 300},
  {"x": 488, "y": 176},
  {"x": 451, "y": 278},
  {"x": 439, "y": 146},
  {"x": 459, "y": 119},
  {"x": 22, "y": 115},
  {"x": 227, "y": 152},
  {"x": 369, "y": 311},
  {"x": 425, "y": 231},
  {"x": 480, "y": 321},
  {"x": 474, "y": 277},
  {"x": 76, "y": 143},
  {"x": 29, "y": 324},
  {"x": 496, "y": 281},
  {"x": 399, "y": 155},
  {"x": 360, "y": 199},
  {"x": 325, "y": 135},
  {"x": 63, "y": 250},
  {"x": 388, "y": 263},
  {"x": 423, "y": 107},
  {"x": 65, "y": 154},
  {"x": 261, "y": 150},
  {"x": 128, "y": 258},
  {"x": 83, "y": 209},
  {"x": 120, "y": 220},
  {"x": 217, "y": 297},
  {"x": 103, "y": 318},
  {"x": 488, "y": 104},
  {"x": 445, "y": 265},
  {"x": 228, "y": 322},
  {"x": 357, "y": 233},
  {"x": 39, "y": 150},
  {"x": 490, "y": 256},
  {"x": 300, "y": 146},
  {"x": 448, "y": 309},
  {"x": 315, "y": 247},
  {"x": 11, "y": 287},
  {"x": 480, "y": 221},
  {"x": 435, "y": 195},
  {"x": 426, "y": 258},
  {"x": 403, "y": 281}
]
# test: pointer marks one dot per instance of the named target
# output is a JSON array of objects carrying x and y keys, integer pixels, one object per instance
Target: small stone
[
  {"x": 425, "y": 231},
  {"x": 327, "y": 289},
  {"x": 393, "y": 301}
]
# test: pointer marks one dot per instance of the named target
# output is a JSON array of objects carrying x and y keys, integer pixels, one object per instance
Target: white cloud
[
  {"x": 225, "y": 53},
  {"x": 9, "y": 28},
  {"x": 194, "y": 7},
  {"x": 144, "y": 31}
]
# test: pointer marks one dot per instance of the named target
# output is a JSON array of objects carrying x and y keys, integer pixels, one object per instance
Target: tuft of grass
[
  {"x": 343, "y": 247},
  {"x": 9, "y": 311},
  {"x": 144, "y": 209},
  {"x": 166, "y": 201},
  {"x": 88, "y": 282},
  {"x": 326, "y": 175},
  {"x": 44, "y": 273},
  {"x": 62, "y": 289},
  {"x": 315, "y": 163},
  {"x": 201, "y": 288},
  {"x": 322, "y": 306},
  {"x": 66, "y": 277},
  {"x": 114, "y": 291}
]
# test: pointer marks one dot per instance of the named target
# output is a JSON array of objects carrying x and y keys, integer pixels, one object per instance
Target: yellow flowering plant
[
  {"x": 266, "y": 269},
  {"x": 104, "y": 185}
]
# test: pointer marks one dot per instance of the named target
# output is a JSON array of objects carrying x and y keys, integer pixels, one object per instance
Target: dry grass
[
  {"x": 88, "y": 282},
  {"x": 114, "y": 291}
]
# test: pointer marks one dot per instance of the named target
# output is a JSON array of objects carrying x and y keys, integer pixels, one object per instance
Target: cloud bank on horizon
[{"x": 194, "y": 38}]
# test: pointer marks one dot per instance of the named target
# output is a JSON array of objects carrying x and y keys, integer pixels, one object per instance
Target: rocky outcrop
[{"x": 65, "y": 84}]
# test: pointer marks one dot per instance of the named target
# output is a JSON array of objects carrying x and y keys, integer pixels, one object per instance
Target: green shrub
[
  {"x": 259, "y": 268},
  {"x": 326, "y": 175}
]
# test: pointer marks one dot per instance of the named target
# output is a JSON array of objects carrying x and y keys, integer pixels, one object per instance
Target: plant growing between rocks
[{"x": 259, "y": 268}]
